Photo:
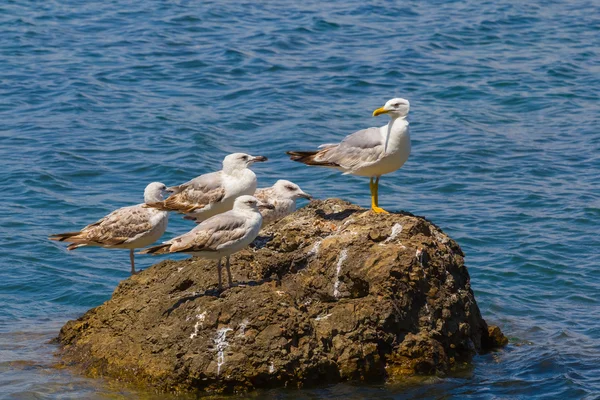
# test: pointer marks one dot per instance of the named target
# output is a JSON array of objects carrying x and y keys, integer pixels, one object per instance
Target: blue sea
[{"x": 97, "y": 99}]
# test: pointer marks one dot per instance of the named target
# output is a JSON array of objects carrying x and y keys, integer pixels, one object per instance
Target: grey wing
[
  {"x": 119, "y": 226},
  {"x": 206, "y": 181},
  {"x": 197, "y": 193},
  {"x": 212, "y": 234},
  {"x": 357, "y": 150},
  {"x": 225, "y": 229}
]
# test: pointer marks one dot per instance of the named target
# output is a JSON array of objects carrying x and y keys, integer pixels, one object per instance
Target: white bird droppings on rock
[
  {"x": 396, "y": 230},
  {"x": 336, "y": 284},
  {"x": 321, "y": 317},
  {"x": 242, "y": 328},
  {"x": 315, "y": 249},
  {"x": 200, "y": 320},
  {"x": 221, "y": 343},
  {"x": 440, "y": 237},
  {"x": 419, "y": 255}
]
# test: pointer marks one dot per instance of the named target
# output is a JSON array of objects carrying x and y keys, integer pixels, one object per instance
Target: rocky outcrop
[{"x": 332, "y": 292}]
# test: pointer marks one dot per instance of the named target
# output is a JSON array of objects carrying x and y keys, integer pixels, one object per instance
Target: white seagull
[
  {"x": 213, "y": 193},
  {"x": 219, "y": 236},
  {"x": 282, "y": 196},
  {"x": 130, "y": 228},
  {"x": 370, "y": 152}
]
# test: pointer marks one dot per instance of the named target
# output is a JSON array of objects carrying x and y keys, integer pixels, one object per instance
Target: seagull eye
[
  {"x": 288, "y": 187},
  {"x": 397, "y": 105}
]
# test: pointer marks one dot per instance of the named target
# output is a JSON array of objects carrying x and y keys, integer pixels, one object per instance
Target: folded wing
[
  {"x": 357, "y": 150},
  {"x": 119, "y": 227},
  {"x": 213, "y": 234},
  {"x": 195, "y": 194}
]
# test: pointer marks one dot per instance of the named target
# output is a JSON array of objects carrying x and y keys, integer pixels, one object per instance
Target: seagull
[
  {"x": 282, "y": 196},
  {"x": 369, "y": 152},
  {"x": 130, "y": 228},
  {"x": 213, "y": 193},
  {"x": 219, "y": 236}
]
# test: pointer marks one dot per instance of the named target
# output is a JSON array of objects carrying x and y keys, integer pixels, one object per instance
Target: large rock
[{"x": 333, "y": 292}]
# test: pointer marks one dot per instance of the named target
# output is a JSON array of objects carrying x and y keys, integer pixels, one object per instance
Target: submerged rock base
[{"x": 333, "y": 292}]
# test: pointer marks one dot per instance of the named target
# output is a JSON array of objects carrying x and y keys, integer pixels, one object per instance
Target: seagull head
[
  {"x": 239, "y": 161},
  {"x": 290, "y": 190},
  {"x": 250, "y": 203},
  {"x": 396, "y": 108},
  {"x": 154, "y": 192}
]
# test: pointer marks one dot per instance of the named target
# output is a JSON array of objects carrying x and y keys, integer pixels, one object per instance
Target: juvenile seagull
[
  {"x": 370, "y": 152},
  {"x": 219, "y": 236},
  {"x": 282, "y": 196},
  {"x": 213, "y": 193},
  {"x": 126, "y": 228}
]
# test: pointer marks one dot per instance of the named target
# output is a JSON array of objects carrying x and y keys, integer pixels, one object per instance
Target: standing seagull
[
  {"x": 213, "y": 193},
  {"x": 282, "y": 196},
  {"x": 126, "y": 228},
  {"x": 370, "y": 152},
  {"x": 219, "y": 236}
]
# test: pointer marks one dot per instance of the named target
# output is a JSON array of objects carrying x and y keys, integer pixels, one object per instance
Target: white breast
[
  {"x": 235, "y": 185},
  {"x": 159, "y": 221},
  {"x": 397, "y": 150},
  {"x": 242, "y": 183}
]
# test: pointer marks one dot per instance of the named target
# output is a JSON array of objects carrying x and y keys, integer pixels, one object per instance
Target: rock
[
  {"x": 495, "y": 338},
  {"x": 334, "y": 292}
]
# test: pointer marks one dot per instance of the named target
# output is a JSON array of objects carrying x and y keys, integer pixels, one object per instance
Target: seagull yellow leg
[
  {"x": 375, "y": 198},
  {"x": 373, "y": 205}
]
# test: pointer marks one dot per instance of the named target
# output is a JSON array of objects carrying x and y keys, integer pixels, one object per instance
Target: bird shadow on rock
[
  {"x": 336, "y": 216},
  {"x": 191, "y": 296},
  {"x": 250, "y": 283},
  {"x": 408, "y": 214},
  {"x": 261, "y": 241}
]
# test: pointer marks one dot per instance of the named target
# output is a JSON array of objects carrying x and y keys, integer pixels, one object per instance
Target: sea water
[{"x": 97, "y": 99}]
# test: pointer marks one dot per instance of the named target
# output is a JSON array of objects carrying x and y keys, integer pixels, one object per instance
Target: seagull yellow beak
[{"x": 379, "y": 111}]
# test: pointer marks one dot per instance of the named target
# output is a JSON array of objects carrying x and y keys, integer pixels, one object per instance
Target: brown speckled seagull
[
  {"x": 130, "y": 228},
  {"x": 282, "y": 196}
]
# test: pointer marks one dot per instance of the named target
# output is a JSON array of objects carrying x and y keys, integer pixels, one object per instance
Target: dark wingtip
[
  {"x": 297, "y": 155},
  {"x": 62, "y": 236},
  {"x": 155, "y": 249}
]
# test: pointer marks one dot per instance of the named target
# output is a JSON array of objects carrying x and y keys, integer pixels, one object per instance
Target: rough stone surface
[{"x": 333, "y": 292}]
